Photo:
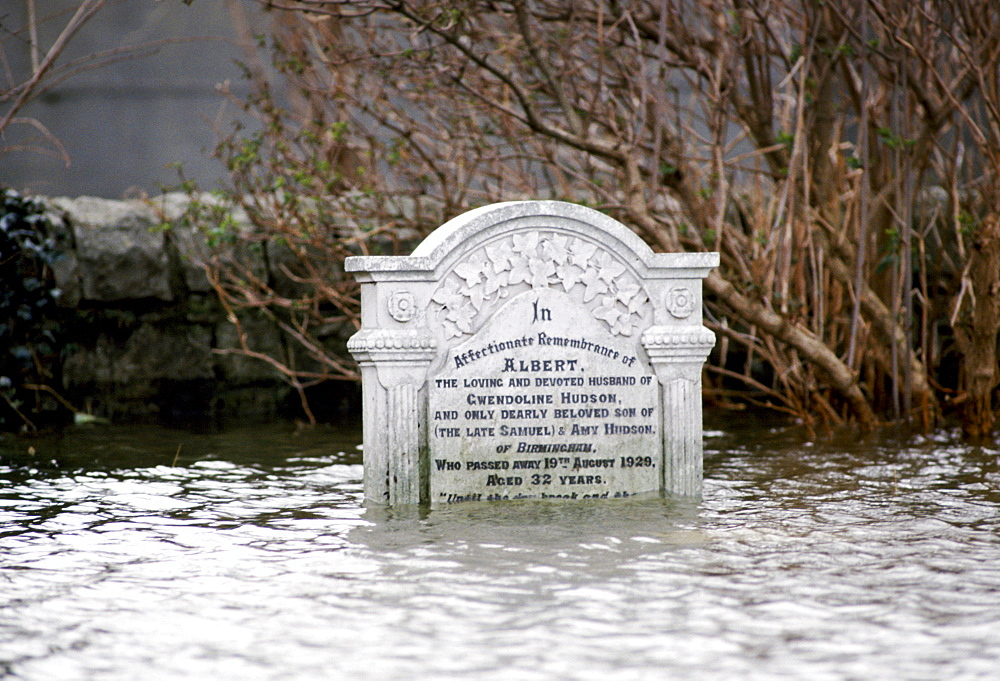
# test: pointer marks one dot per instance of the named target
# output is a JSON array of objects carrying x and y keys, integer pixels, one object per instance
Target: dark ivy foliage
[{"x": 30, "y": 327}]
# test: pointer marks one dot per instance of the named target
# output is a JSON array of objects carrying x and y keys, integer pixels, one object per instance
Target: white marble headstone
[{"x": 531, "y": 350}]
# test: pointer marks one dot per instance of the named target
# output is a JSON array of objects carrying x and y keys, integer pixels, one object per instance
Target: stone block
[
  {"x": 121, "y": 253},
  {"x": 153, "y": 353},
  {"x": 191, "y": 244}
]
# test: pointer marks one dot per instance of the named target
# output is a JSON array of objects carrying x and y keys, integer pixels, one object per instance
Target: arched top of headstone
[{"x": 466, "y": 233}]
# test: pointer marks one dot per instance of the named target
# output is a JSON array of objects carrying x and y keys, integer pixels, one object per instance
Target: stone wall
[{"x": 148, "y": 329}]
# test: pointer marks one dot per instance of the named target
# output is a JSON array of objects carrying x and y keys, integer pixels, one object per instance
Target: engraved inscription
[{"x": 544, "y": 401}]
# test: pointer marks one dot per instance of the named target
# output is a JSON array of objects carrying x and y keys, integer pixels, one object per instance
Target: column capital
[
  {"x": 678, "y": 351},
  {"x": 399, "y": 356}
]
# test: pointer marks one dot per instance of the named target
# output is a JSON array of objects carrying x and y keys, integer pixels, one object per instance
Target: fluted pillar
[
  {"x": 394, "y": 367},
  {"x": 677, "y": 354}
]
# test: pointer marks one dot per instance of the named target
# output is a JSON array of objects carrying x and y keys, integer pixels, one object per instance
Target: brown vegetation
[{"x": 841, "y": 155}]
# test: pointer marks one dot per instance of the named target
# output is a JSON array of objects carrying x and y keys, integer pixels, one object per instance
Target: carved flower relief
[
  {"x": 402, "y": 306},
  {"x": 540, "y": 261},
  {"x": 680, "y": 301}
]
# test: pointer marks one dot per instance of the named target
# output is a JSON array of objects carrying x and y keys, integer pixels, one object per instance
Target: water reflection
[{"x": 251, "y": 557}]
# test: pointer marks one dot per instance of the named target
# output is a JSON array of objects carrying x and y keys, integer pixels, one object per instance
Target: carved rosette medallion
[
  {"x": 535, "y": 260},
  {"x": 680, "y": 301},
  {"x": 402, "y": 306}
]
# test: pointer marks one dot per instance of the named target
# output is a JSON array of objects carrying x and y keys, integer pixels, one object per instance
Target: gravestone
[{"x": 531, "y": 350}]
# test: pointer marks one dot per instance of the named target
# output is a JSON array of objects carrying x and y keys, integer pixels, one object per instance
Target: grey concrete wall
[{"x": 125, "y": 124}]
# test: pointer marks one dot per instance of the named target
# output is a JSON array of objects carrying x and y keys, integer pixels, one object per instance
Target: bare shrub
[{"x": 840, "y": 155}]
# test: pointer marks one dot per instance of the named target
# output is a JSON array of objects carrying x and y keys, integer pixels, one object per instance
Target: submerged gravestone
[{"x": 531, "y": 350}]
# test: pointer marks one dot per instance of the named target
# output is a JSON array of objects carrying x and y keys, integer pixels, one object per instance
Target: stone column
[
  {"x": 394, "y": 367},
  {"x": 677, "y": 354}
]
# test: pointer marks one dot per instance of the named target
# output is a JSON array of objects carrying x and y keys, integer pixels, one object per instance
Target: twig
[
  {"x": 52, "y": 391},
  {"x": 27, "y": 421}
]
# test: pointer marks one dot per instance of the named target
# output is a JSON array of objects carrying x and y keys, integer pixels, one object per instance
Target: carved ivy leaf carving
[
  {"x": 623, "y": 325},
  {"x": 526, "y": 244},
  {"x": 448, "y": 296},
  {"x": 457, "y": 319},
  {"x": 520, "y": 270},
  {"x": 496, "y": 280},
  {"x": 541, "y": 262},
  {"x": 541, "y": 270},
  {"x": 595, "y": 285},
  {"x": 580, "y": 252},
  {"x": 554, "y": 249},
  {"x": 609, "y": 268},
  {"x": 471, "y": 272},
  {"x": 476, "y": 296},
  {"x": 461, "y": 319},
  {"x": 608, "y": 311},
  {"x": 500, "y": 255},
  {"x": 636, "y": 302},
  {"x": 569, "y": 275},
  {"x": 626, "y": 291}
]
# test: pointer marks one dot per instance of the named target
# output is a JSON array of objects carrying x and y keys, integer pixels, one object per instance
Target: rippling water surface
[{"x": 247, "y": 555}]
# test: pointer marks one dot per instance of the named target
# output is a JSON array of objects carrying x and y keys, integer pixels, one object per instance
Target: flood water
[{"x": 247, "y": 555}]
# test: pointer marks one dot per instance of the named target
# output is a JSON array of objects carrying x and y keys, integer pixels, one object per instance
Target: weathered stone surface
[
  {"x": 192, "y": 254},
  {"x": 149, "y": 323},
  {"x": 151, "y": 353},
  {"x": 66, "y": 270},
  {"x": 262, "y": 336},
  {"x": 531, "y": 350},
  {"x": 119, "y": 253},
  {"x": 191, "y": 243}
]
